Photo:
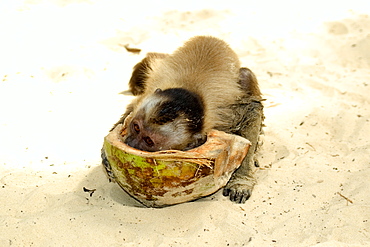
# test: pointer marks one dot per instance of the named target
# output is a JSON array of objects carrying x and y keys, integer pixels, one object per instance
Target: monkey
[{"x": 183, "y": 95}]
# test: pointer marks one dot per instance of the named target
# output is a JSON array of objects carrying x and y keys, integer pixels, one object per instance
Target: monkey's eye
[
  {"x": 136, "y": 128},
  {"x": 148, "y": 141}
]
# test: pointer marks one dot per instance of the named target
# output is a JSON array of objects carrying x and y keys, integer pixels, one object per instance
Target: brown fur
[
  {"x": 232, "y": 100},
  {"x": 139, "y": 76},
  {"x": 204, "y": 65}
]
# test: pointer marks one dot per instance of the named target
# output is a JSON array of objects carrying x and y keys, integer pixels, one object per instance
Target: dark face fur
[{"x": 169, "y": 119}]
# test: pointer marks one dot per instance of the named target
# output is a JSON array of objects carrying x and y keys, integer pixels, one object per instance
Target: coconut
[{"x": 158, "y": 179}]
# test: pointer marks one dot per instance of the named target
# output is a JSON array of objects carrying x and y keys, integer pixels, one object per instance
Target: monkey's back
[{"x": 206, "y": 66}]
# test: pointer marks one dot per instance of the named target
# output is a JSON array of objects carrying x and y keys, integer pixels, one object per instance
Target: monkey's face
[
  {"x": 151, "y": 137},
  {"x": 159, "y": 124}
]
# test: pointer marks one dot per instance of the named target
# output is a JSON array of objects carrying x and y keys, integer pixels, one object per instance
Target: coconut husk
[{"x": 163, "y": 178}]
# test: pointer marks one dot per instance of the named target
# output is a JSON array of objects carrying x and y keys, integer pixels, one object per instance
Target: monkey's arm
[
  {"x": 139, "y": 73},
  {"x": 123, "y": 117},
  {"x": 138, "y": 79},
  {"x": 248, "y": 118},
  {"x": 240, "y": 186}
]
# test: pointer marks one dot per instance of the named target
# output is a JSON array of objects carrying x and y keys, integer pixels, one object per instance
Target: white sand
[{"x": 62, "y": 65}]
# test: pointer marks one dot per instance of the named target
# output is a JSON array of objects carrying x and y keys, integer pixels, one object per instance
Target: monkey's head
[{"x": 168, "y": 119}]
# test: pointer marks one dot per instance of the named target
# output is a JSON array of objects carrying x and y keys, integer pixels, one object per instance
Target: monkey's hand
[
  {"x": 239, "y": 188},
  {"x": 241, "y": 184}
]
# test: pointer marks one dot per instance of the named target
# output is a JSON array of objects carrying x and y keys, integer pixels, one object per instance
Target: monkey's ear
[{"x": 158, "y": 90}]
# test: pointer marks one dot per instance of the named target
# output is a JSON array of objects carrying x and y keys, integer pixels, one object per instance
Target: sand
[{"x": 63, "y": 65}]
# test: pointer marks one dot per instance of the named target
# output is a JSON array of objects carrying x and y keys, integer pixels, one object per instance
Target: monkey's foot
[{"x": 239, "y": 188}]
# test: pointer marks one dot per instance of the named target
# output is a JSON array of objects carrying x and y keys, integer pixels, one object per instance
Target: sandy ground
[{"x": 63, "y": 64}]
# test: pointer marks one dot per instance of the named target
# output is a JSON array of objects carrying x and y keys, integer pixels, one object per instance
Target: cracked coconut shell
[{"x": 163, "y": 178}]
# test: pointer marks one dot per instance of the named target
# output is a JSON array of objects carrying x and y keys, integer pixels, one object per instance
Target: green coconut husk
[{"x": 163, "y": 178}]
